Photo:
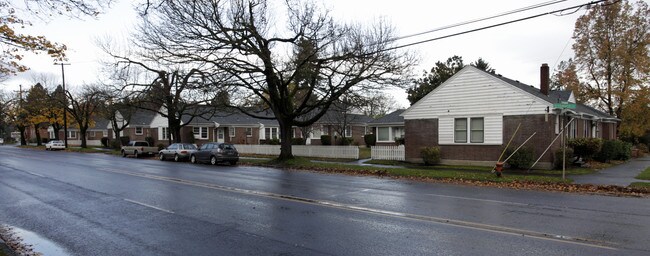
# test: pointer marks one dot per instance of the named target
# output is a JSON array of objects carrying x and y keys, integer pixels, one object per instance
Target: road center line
[
  {"x": 450, "y": 222},
  {"x": 148, "y": 205}
]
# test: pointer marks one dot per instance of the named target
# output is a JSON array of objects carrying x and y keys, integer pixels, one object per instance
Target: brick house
[
  {"x": 94, "y": 133},
  {"x": 140, "y": 126},
  {"x": 473, "y": 114},
  {"x": 388, "y": 128},
  {"x": 236, "y": 128}
]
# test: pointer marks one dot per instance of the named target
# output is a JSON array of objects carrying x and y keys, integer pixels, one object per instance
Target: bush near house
[
  {"x": 273, "y": 142},
  {"x": 189, "y": 136},
  {"x": 325, "y": 140},
  {"x": 614, "y": 150},
  {"x": 400, "y": 141},
  {"x": 430, "y": 155},
  {"x": 557, "y": 158},
  {"x": 586, "y": 148},
  {"x": 346, "y": 141},
  {"x": 522, "y": 159},
  {"x": 104, "y": 141},
  {"x": 161, "y": 146},
  {"x": 115, "y": 144},
  {"x": 370, "y": 140}
]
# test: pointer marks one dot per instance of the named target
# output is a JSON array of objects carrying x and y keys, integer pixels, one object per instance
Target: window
[
  {"x": 231, "y": 131},
  {"x": 323, "y": 130},
  {"x": 104, "y": 133},
  {"x": 72, "y": 134},
  {"x": 220, "y": 133},
  {"x": 586, "y": 128},
  {"x": 476, "y": 129},
  {"x": 200, "y": 132},
  {"x": 572, "y": 130},
  {"x": 398, "y": 132},
  {"x": 249, "y": 132},
  {"x": 138, "y": 130},
  {"x": 271, "y": 133},
  {"x": 91, "y": 134},
  {"x": 164, "y": 133},
  {"x": 315, "y": 133},
  {"x": 383, "y": 134},
  {"x": 460, "y": 130},
  {"x": 51, "y": 134},
  {"x": 348, "y": 131}
]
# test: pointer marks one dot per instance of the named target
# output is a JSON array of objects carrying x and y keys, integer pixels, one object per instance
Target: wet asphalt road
[{"x": 96, "y": 204}]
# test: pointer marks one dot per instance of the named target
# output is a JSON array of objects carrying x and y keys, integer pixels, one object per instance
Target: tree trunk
[
  {"x": 175, "y": 129},
  {"x": 285, "y": 140},
  {"x": 83, "y": 138},
  {"x": 38, "y": 135},
  {"x": 23, "y": 141},
  {"x": 56, "y": 129}
]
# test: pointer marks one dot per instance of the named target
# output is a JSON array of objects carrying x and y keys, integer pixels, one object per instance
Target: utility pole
[{"x": 65, "y": 105}]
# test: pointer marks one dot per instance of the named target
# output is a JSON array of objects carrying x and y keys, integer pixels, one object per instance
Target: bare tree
[
  {"x": 378, "y": 104},
  {"x": 83, "y": 107},
  {"x": 245, "y": 42},
  {"x": 117, "y": 109}
]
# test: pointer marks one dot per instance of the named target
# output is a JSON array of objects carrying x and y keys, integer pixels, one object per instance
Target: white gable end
[{"x": 472, "y": 92}]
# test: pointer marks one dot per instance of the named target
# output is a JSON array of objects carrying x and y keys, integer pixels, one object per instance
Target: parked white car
[{"x": 54, "y": 144}]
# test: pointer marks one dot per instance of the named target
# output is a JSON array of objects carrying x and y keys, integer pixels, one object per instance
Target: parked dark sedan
[
  {"x": 177, "y": 151},
  {"x": 215, "y": 152}
]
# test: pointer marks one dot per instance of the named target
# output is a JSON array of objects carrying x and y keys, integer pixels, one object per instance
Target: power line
[
  {"x": 484, "y": 28},
  {"x": 535, "y": 6}
]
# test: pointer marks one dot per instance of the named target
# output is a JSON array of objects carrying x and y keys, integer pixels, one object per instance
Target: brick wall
[{"x": 422, "y": 133}]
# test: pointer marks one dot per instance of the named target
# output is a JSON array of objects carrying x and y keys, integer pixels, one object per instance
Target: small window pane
[
  {"x": 477, "y": 130},
  {"x": 383, "y": 134},
  {"x": 460, "y": 130}
]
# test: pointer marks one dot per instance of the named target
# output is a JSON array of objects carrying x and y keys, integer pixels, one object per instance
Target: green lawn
[
  {"x": 640, "y": 185},
  {"x": 433, "y": 172},
  {"x": 645, "y": 175}
]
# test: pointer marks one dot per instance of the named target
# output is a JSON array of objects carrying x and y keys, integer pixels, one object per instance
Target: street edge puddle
[{"x": 27, "y": 243}]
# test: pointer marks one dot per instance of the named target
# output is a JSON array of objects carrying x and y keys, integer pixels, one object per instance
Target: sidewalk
[{"x": 620, "y": 175}]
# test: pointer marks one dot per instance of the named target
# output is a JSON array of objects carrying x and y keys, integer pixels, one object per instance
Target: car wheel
[
  {"x": 123, "y": 153},
  {"x": 135, "y": 154},
  {"x": 47, "y": 149},
  {"x": 161, "y": 157},
  {"x": 213, "y": 160},
  {"x": 176, "y": 158},
  {"x": 193, "y": 159}
]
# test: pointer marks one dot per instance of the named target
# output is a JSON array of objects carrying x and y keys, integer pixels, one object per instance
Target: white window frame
[
  {"x": 323, "y": 131},
  {"x": 390, "y": 135},
  {"x": 91, "y": 134},
  {"x": 272, "y": 131},
  {"x": 221, "y": 134},
  {"x": 141, "y": 130},
  {"x": 105, "y": 133},
  {"x": 249, "y": 131},
  {"x": 72, "y": 133},
  {"x": 232, "y": 131},
  {"x": 315, "y": 133},
  {"x": 202, "y": 130},
  {"x": 164, "y": 131},
  {"x": 468, "y": 131},
  {"x": 348, "y": 131}
]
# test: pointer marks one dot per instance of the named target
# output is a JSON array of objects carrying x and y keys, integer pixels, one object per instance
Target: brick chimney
[{"x": 544, "y": 79}]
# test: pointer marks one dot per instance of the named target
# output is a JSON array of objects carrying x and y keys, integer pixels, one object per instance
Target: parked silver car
[
  {"x": 177, "y": 151},
  {"x": 54, "y": 144},
  {"x": 215, "y": 152}
]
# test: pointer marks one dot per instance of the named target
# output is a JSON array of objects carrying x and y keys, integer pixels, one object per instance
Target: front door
[{"x": 220, "y": 134}]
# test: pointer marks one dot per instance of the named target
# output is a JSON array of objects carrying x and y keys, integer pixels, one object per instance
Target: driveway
[{"x": 620, "y": 175}]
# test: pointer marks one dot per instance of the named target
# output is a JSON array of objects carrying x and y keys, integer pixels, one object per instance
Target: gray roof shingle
[{"x": 392, "y": 118}]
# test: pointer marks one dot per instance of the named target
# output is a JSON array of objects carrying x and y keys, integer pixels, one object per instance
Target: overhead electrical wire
[
  {"x": 523, "y": 9},
  {"x": 485, "y": 27}
]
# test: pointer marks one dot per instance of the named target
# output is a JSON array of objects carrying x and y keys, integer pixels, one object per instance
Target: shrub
[
  {"x": 522, "y": 159},
  {"x": 557, "y": 158},
  {"x": 642, "y": 147},
  {"x": 430, "y": 155},
  {"x": 370, "y": 140},
  {"x": 45, "y": 140},
  {"x": 189, "y": 136},
  {"x": 346, "y": 141},
  {"x": 149, "y": 140},
  {"x": 614, "y": 150},
  {"x": 325, "y": 140},
  {"x": 273, "y": 142},
  {"x": 104, "y": 141},
  {"x": 297, "y": 141},
  {"x": 400, "y": 141},
  {"x": 161, "y": 146},
  {"x": 586, "y": 148},
  {"x": 124, "y": 140},
  {"x": 115, "y": 144}
]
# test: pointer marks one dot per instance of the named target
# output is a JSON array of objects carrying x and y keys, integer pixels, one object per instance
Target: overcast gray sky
[{"x": 515, "y": 50}]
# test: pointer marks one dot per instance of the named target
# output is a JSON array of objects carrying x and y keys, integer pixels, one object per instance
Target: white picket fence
[
  {"x": 388, "y": 153},
  {"x": 88, "y": 142},
  {"x": 346, "y": 152}
]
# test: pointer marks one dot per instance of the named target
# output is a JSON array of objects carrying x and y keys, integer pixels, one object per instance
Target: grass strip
[{"x": 645, "y": 175}]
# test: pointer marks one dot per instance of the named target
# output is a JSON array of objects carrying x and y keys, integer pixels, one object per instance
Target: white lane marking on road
[
  {"x": 35, "y": 174},
  {"x": 450, "y": 222},
  {"x": 479, "y": 199},
  {"x": 148, "y": 205}
]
